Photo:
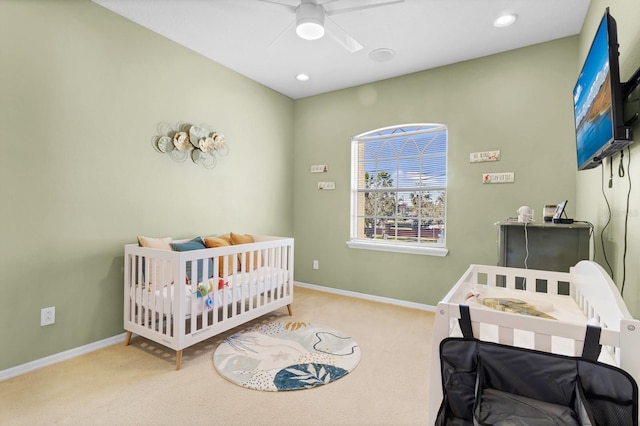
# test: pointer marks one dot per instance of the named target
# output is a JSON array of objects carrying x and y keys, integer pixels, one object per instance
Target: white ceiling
[{"x": 247, "y": 35}]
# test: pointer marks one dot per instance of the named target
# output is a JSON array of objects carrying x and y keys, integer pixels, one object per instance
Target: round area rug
[{"x": 285, "y": 356}]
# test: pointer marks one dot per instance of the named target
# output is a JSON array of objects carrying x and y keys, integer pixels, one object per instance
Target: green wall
[
  {"x": 83, "y": 91},
  {"x": 517, "y": 102},
  {"x": 592, "y": 185}
]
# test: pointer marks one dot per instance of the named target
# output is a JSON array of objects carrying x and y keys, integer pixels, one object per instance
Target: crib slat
[
  {"x": 270, "y": 285},
  {"x": 203, "y": 299},
  {"x": 135, "y": 283},
  {"x": 282, "y": 260},
  {"x": 152, "y": 293},
  {"x": 166, "y": 303},
  {"x": 266, "y": 260},
  {"x": 146, "y": 294}
]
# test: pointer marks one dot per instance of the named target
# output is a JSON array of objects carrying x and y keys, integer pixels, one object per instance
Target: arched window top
[{"x": 402, "y": 129}]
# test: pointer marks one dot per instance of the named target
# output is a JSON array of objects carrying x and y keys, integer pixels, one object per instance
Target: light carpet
[
  {"x": 137, "y": 385},
  {"x": 286, "y": 356}
]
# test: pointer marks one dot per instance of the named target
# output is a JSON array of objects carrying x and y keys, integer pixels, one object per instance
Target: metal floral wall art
[{"x": 199, "y": 142}]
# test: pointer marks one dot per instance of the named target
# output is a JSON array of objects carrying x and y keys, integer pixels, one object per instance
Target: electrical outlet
[
  {"x": 47, "y": 316},
  {"x": 316, "y": 264}
]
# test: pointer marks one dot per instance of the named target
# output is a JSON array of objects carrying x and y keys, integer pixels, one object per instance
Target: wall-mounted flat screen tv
[{"x": 597, "y": 100}]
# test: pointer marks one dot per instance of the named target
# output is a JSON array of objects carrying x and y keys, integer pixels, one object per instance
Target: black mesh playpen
[{"x": 487, "y": 383}]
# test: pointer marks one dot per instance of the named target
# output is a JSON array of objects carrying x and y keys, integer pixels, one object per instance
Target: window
[{"x": 399, "y": 189}]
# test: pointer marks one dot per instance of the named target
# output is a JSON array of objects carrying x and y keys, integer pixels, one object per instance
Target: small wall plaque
[
  {"x": 505, "y": 177},
  {"x": 480, "y": 157}
]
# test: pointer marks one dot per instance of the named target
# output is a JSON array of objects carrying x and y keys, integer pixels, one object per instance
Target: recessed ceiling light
[
  {"x": 382, "y": 54},
  {"x": 505, "y": 20},
  {"x": 302, "y": 77}
]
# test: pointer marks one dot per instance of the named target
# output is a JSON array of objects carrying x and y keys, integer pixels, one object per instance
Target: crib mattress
[
  {"x": 235, "y": 288},
  {"x": 559, "y": 307},
  {"x": 554, "y": 307}
]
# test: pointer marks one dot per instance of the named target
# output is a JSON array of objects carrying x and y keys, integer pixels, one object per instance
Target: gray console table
[{"x": 552, "y": 247}]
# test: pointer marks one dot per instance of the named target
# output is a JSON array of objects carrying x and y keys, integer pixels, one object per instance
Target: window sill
[{"x": 399, "y": 248}]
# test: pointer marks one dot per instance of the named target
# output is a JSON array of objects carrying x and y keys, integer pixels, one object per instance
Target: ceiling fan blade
[
  {"x": 341, "y": 36},
  {"x": 363, "y": 7},
  {"x": 288, "y": 6},
  {"x": 282, "y": 34}
]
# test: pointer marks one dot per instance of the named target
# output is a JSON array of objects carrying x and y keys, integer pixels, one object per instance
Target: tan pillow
[
  {"x": 241, "y": 239},
  {"x": 156, "y": 243},
  {"x": 225, "y": 237},
  {"x": 160, "y": 244},
  {"x": 237, "y": 239},
  {"x": 213, "y": 242}
]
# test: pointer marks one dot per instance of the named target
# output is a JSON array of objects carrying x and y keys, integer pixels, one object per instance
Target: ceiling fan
[{"x": 313, "y": 21}]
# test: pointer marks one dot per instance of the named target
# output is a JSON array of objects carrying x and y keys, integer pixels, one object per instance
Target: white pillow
[{"x": 156, "y": 243}]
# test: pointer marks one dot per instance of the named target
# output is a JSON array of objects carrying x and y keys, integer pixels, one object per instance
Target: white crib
[
  {"x": 584, "y": 295},
  {"x": 237, "y": 283}
]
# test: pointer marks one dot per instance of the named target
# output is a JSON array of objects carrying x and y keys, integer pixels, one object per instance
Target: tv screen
[{"x": 597, "y": 100}]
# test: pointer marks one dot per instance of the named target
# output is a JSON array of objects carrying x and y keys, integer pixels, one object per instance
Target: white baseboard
[
  {"x": 62, "y": 356},
  {"x": 71, "y": 353},
  {"x": 365, "y": 296}
]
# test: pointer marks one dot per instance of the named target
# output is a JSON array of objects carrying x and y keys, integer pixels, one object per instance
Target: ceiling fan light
[
  {"x": 310, "y": 21},
  {"x": 309, "y": 30}
]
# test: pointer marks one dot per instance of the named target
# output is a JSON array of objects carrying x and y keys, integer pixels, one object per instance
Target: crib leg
[
  {"x": 127, "y": 340},
  {"x": 178, "y": 359},
  {"x": 289, "y": 309}
]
